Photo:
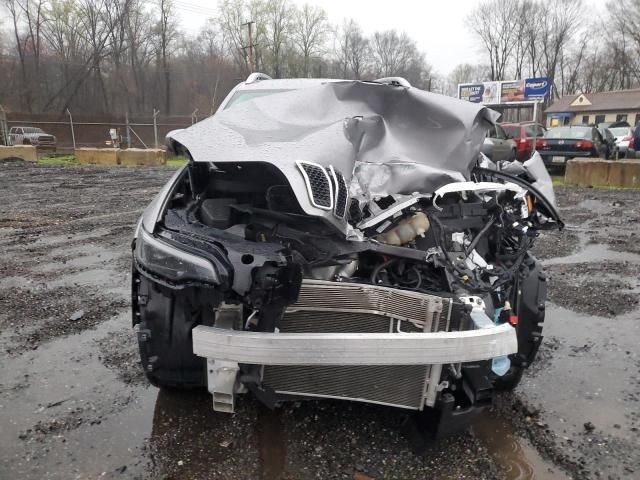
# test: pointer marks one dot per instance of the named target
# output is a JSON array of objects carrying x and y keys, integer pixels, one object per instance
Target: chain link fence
[{"x": 76, "y": 130}]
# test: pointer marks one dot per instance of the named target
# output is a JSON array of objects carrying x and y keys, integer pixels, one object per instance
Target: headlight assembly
[{"x": 170, "y": 262}]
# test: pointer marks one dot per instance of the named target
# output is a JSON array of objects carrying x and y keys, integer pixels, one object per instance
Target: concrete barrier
[
  {"x": 97, "y": 156},
  {"x": 594, "y": 172},
  {"x": 114, "y": 156},
  {"x": 140, "y": 156},
  {"x": 24, "y": 152}
]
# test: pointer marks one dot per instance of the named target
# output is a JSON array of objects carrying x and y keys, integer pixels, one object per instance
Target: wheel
[
  {"x": 509, "y": 380},
  {"x": 530, "y": 309},
  {"x": 512, "y": 157},
  {"x": 166, "y": 318}
]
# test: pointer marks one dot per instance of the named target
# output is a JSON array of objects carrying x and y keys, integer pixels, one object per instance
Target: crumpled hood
[{"x": 395, "y": 140}]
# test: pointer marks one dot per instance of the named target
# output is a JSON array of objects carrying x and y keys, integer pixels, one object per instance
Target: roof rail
[
  {"x": 256, "y": 77},
  {"x": 394, "y": 81}
]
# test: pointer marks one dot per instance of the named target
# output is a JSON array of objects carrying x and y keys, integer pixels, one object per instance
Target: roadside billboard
[
  {"x": 536, "y": 88},
  {"x": 511, "y": 91},
  {"x": 486, "y": 92}
]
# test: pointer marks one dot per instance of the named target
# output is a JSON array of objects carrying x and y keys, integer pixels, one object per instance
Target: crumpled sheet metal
[{"x": 387, "y": 140}]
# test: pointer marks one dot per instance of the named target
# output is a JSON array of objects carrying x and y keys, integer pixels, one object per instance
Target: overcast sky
[{"x": 437, "y": 26}]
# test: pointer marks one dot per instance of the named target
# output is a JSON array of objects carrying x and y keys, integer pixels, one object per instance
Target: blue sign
[{"x": 536, "y": 88}]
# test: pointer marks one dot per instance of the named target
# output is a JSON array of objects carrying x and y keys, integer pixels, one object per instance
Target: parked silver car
[
  {"x": 498, "y": 146},
  {"x": 31, "y": 136},
  {"x": 624, "y": 137}
]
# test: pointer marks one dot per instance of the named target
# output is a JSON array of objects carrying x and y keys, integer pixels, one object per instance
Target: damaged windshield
[{"x": 244, "y": 95}]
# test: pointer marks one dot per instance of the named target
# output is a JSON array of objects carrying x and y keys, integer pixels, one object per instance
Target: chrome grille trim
[
  {"x": 341, "y": 193},
  {"x": 319, "y": 185}
]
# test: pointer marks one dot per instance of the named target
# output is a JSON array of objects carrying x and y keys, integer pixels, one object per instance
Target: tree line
[
  {"x": 117, "y": 56},
  {"x": 580, "y": 48}
]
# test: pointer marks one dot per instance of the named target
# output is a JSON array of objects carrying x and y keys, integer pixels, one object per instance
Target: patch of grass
[
  {"x": 559, "y": 180},
  {"x": 176, "y": 161},
  {"x": 58, "y": 160}
]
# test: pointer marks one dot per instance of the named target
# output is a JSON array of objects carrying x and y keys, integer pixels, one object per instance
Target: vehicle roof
[
  {"x": 572, "y": 126},
  {"x": 519, "y": 124},
  {"x": 285, "y": 83}
]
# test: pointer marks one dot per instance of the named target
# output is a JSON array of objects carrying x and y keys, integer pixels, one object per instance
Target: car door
[
  {"x": 487, "y": 144},
  {"x": 599, "y": 144},
  {"x": 502, "y": 147}
]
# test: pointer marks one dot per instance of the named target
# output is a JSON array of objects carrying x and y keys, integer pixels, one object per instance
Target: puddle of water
[
  {"x": 17, "y": 282},
  {"x": 94, "y": 255},
  {"x": 52, "y": 240},
  {"x": 105, "y": 279},
  {"x": 272, "y": 443},
  {"x": 588, "y": 376},
  {"x": 595, "y": 206},
  {"x": 96, "y": 421},
  {"x": 515, "y": 456},
  {"x": 594, "y": 253}
]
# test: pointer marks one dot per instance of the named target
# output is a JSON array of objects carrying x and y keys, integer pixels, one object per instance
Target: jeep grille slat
[
  {"x": 318, "y": 184},
  {"x": 341, "y": 193}
]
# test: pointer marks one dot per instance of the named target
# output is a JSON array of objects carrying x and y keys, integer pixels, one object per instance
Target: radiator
[{"x": 338, "y": 307}]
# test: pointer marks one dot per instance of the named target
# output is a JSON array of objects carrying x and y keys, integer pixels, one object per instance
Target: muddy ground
[{"x": 74, "y": 403}]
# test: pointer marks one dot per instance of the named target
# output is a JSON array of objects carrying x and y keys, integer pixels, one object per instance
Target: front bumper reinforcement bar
[{"x": 265, "y": 348}]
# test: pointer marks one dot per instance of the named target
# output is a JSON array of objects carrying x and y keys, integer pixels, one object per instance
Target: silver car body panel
[{"x": 383, "y": 139}]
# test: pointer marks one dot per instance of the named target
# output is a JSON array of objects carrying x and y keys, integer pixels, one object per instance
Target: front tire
[
  {"x": 166, "y": 317},
  {"x": 530, "y": 309}
]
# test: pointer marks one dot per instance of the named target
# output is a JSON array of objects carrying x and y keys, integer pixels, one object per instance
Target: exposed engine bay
[
  {"x": 342, "y": 269},
  {"x": 466, "y": 237}
]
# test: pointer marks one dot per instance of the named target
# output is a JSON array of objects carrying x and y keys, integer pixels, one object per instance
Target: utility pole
[{"x": 251, "y": 46}]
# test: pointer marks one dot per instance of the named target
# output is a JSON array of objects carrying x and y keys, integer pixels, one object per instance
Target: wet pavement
[{"x": 74, "y": 403}]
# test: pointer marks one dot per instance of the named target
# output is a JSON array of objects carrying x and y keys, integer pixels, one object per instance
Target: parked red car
[{"x": 524, "y": 134}]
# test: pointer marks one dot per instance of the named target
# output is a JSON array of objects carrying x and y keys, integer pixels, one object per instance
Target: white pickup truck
[{"x": 31, "y": 136}]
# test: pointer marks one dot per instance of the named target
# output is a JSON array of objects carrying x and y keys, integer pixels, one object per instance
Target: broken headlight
[{"x": 170, "y": 262}]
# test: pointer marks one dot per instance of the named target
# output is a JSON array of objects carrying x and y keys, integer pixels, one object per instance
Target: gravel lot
[{"x": 74, "y": 403}]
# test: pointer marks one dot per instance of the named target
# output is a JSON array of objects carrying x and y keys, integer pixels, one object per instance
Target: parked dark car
[
  {"x": 525, "y": 135},
  {"x": 497, "y": 145},
  {"x": 562, "y": 143}
]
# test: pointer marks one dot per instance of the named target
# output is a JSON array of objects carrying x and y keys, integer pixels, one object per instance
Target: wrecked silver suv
[{"x": 342, "y": 240}]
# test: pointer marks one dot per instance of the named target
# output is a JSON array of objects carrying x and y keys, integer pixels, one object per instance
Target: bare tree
[
  {"x": 231, "y": 16},
  {"x": 561, "y": 20},
  {"x": 358, "y": 52},
  {"x": 277, "y": 16},
  {"x": 465, "y": 73},
  {"x": 15, "y": 9},
  {"x": 391, "y": 52},
  {"x": 116, "y": 56},
  {"x": 308, "y": 32},
  {"x": 167, "y": 33},
  {"x": 492, "y": 22}
]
